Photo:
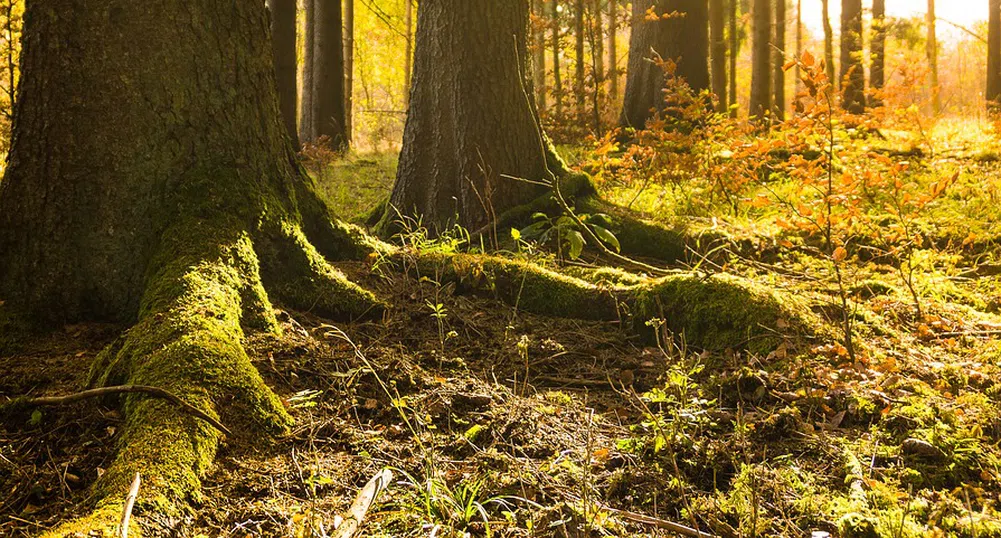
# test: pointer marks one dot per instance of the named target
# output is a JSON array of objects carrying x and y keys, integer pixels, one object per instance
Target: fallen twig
[
  {"x": 130, "y": 501},
  {"x": 129, "y": 389},
  {"x": 366, "y": 497}
]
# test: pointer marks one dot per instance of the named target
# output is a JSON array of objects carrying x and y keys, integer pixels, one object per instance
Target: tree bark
[
  {"x": 539, "y": 55},
  {"x": 852, "y": 71},
  {"x": 307, "y": 124},
  {"x": 408, "y": 53},
  {"x": 682, "y": 38},
  {"x": 717, "y": 21},
  {"x": 283, "y": 37},
  {"x": 151, "y": 180},
  {"x": 877, "y": 77},
  {"x": 761, "y": 72},
  {"x": 799, "y": 46},
  {"x": 579, "y": 72},
  {"x": 931, "y": 48},
  {"x": 994, "y": 56},
  {"x": 613, "y": 51},
  {"x": 349, "y": 67},
  {"x": 597, "y": 41},
  {"x": 328, "y": 78},
  {"x": 472, "y": 127},
  {"x": 778, "y": 71},
  {"x": 828, "y": 44},
  {"x": 734, "y": 51},
  {"x": 557, "y": 76}
]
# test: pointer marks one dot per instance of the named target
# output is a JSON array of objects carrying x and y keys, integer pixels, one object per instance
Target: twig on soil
[
  {"x": 130, "y": 501},
  {"x": 129, "y": 389},
  {"x": 359, "y": 508}
]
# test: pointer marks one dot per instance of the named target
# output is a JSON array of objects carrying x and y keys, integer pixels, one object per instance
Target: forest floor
[{"x": 499, "y": 422}]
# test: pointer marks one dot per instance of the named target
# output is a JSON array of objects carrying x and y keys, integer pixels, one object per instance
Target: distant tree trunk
[
  {"x": 877, "y": 78},
  {"x": 349, "y": 66},
  {"x": 683, "y": 39},
  {"x": 283, "y": 14},
  {"x": 761, "y": 72},
  {"x": 717, "y": 22},
  {"x": 472, "y": 126},
  {"x": 557, "y": 77},
  {"x": 994, "y": 56},
  {"x": 778, "y": 72},
  {"x": 829, "y": 44},
  {"x": 328, "y": 78},
  {"x": 579, "y": 73},
  {"x": 799, "y": 43},
  {"x": 598, "y": 55},
  {"x": 409, "y": 53},
  {"x": 852, "y": 71},
  {"x": 734, "y": 51},
  {"x": 307, "y": 126},
  {"x": 932, "y": 51},
  {"x": 613, "y": 51},
  {"x": 539, "y": 56}
]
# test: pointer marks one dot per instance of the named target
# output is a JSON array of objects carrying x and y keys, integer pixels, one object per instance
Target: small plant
[{"x": 566, "y": 234}]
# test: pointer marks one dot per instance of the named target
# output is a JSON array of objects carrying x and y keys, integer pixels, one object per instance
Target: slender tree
[
  {"x": 408, "y": 54},
  {"x": 151, "y": 182},
  {"x": 349, "y": 66},
  {"x": 852, "y": 71},
  {"x": 994, "y": 56},
  {"x": 734, "y": 51},
  {"x": 598, "y": 54},
  {"x": 539, "y": 54},
  {"x": 613, "y": 50},
  {"x": 555, "y": 44},
  {"x": 828, "y": 43},
  {"x": 778, "y": 61},
  {"x": 329, "y": 114},
  {"x": 877, "y": 78},
  {"x": 680, "y": 33},
  {"x": 931, "y": 48},
  {"x": 761, "y": 72},
  {"x": 307, "y": 125},
  {"x": 717, "y": 22},
  {"x": 799, "y": 44},
  {"x": 579, "y": 71},
  {"x": 472, "y": 130},
  {"x": 283, "y": 17}
]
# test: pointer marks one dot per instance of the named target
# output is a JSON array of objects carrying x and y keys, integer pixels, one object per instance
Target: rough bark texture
[
  {"x": 472, "y": 119},
  {"x": 778, "y": 61},
  {"x": 877, "y": 77},
  {"x": 539, "y": 55},
  {"x": 283, "y": 18},
  {"x": 931, "y": 48},
  {"x": 828, "y": 43},
  {"x": 151, "y": 180},
  {"x": 717, "y": 21},
  {"x": 328, "y": 74},
  {"x": 682, "y": 38},
  {"x": 852, "y": 71},
  {"x": 994, "y": 56},
  {"x": 307, "y": 126},
  {"x": 761, "y": 72}
]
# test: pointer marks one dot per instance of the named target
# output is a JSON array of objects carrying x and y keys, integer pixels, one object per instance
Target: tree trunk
[
  {"x": 761, "y": 72},
  {"x": 349, "y": 67},
  {"x": 307, "y": 124},
  {"x": 328, "y": 77},
  {"x": 613, "y": 51},
  {"x": 151, "y": 180},
  {"x": 472, "y": 130},
  {"x": 539, "y": 55},
  {"x": 877, "y": 78},
  {"x": 598, "y": 57},
  {"x": 557, "y": 77},
  {"x": 682, "y": 38},
  {"x": 579, "y": 72},
  {"x": 717, "y": 21},
  {"x": 408, "y": 53},
  {"x": 283, "y": 16},
  {"x": 799, "y": 46},
  {"x": 778, "y": 71},
  {"x": 852, "y": 71},
  {"x": 932, "y": 51},
  {"x": 828, "y": 43},
  {"x": 734, "y": 51},
  {"x": 994, "y": 56}
]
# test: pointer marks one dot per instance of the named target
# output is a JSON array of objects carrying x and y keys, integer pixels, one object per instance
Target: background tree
[
  {"x": 409, "y": 53},
  {"x": 717, "y": 22},
  {"x": 283, "y": 38},
  {"x": 472, "y": 126},
  {"x": 539, "y": 54},
  {"x": 778, "y": 71},
  {"x": 613, "y": 51},
  {"x": 799, "y": 44},
  {"x": 579, "y": 71},
  {"x": 307, "y": 124},
  {"x": 852, "y": 71},
  {"x": 931, "y": 48},
  {"x": 555, "y": 43},
  {"x": 126, "y": 203},
  {"x": 994, "y": 55},
  {"x": 329, "y": 114},
  {"x": 349, "y": 66},
  {"x": 761, "y": 72},
  {"x": 828, "y": 43},
  {"x": 597, "y": 43},
  {"x": 680, "y": 33},
  {"x": 877, "y": 77},
  {"x": 734, "y": 51}
]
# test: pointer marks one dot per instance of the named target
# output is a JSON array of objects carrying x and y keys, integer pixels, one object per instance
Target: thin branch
[
  {"x": 130, "y": 501},
  {"x": 363, "y": 502}
]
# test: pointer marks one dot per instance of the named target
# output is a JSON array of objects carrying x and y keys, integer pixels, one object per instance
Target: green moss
[{"x": 101, "y": 522}]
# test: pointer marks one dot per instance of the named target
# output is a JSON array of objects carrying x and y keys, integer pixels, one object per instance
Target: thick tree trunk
[
  {"x": 931, "y": 48},
  {"x": 283, "y": 18},
  {"x": 994, "y": 56},
  {"x": 778, "y": 71},
  {"x": 349, "y": 67},
  {"x": 761, "y": 72},
  {"x": 682, "y": 38},
  {"x": 734, "y": 51},
  {"x": 852, "y": 71},
  {"x": 539, "y": 55},
  {"x": 555, "y": 44},
  {"x": 613, "y": 51},
  {"x": 151, "y": 179},
  {"x": 828, "y": 43},
  {"x": 717, "y": 21},
  {"x": 307, "y": 124},
  {"x": 877, "y": 78},
  {"x": 472, "y": 128},
  {"x": 328, "y": 76}
]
